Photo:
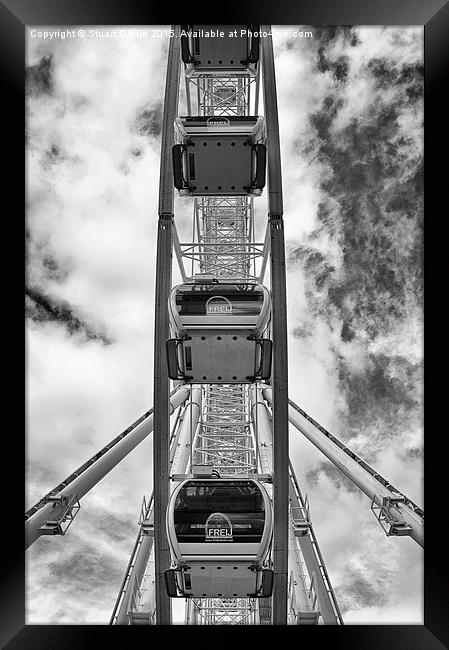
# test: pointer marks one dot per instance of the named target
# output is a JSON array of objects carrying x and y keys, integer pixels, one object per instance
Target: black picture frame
[{"x": 15, "y": 15}]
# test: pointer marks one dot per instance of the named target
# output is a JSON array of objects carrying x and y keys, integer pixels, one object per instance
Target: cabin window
[
  {"x": 208, "y": 512},
  {"x": 219, "y": 301}
]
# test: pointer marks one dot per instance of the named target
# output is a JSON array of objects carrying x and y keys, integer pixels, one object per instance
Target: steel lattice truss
[
  {"x": 225, "y": 246},
  {"x": 225, "y": 439},
  {"x": 223, "y": 95},
  {"x": 222, "y": 611}
]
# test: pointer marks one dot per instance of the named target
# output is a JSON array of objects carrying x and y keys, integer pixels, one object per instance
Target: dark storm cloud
[
  {"x": 42, "y": 308},
  {"x": 347, "y": 334},
  {"x": 338, "y": 65},
  {"x": 148, "y": 121},
  {"x": 93, "y": 567},
  {"x": 392, "y": 378},
  {"x": 89, "y": 559},
  {"x": 380, "y": 198},
  {"x": 387, "y": 74},
  {"x": 383, "y": 400},
  {"x": 361, "y": 592},
  {"x": 314, "y": 263},
  {"x": 323, "y": 35},
  {"x": 371, "y": 205},
  {"x": 85, "y": 569},
  {"x": 38, "y": 78},
  {"x": 86, "y": 575}
]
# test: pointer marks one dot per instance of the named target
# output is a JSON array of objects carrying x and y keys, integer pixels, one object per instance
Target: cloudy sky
[{"x": 351, "y": 125}]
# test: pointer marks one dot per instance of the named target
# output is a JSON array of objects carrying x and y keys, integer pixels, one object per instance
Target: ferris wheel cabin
[
  {"x": 219, "y": 531},
  {"x": 219, "y": 155},
  {"x": 210, "y": 49},
  {"x": 219, "y": 330}
]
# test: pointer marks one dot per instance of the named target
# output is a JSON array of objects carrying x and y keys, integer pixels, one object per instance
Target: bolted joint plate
[{"x": 66, "y": 508}]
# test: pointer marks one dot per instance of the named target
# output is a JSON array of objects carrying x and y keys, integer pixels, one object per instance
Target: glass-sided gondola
[
  {"x": 219, "y": 333},
  {"x": 219, "y": 532}
]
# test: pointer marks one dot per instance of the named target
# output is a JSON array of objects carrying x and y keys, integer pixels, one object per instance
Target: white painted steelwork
[
  {"x": 403, "y": 515},
  {"x": 92, "y": 472},
  {"x": 301, "y": 606},
  {"x": 225, "y": 440}
]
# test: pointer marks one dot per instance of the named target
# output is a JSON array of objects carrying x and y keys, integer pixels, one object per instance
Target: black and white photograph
[
  {"x": 224, "y": 325},
  {"x": 351, "y": 145}
]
